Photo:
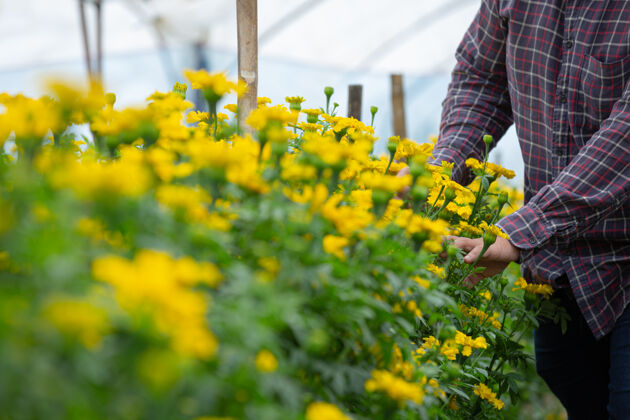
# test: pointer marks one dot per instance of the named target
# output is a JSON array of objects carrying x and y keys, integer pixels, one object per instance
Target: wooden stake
[
  {"x": 99, "y": 40},
  {"x": 355, "y": 98},
  {"x": 86, "y": 41},
  {"x": 398, "y": 106},
  {"x": 247, "y": 28}
]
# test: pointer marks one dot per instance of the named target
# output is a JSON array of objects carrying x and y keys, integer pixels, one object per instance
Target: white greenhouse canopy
[
  {"x": 304, "y": 45},
  {"x": 407, "y": 36}
]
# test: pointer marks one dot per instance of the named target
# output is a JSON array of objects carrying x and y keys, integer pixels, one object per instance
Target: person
[{"x": 560, "y": 71}]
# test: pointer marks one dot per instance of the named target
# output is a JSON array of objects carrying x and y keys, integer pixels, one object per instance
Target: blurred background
[{"x": 304, "y": 45}]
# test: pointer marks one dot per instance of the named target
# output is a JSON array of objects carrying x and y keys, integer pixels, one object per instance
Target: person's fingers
[
  {"x": 405, "y": 190},
  {"x": 473, "y": 254},
  {"x": 465, "y": 244},
  {"x": 404, "y": 171}
]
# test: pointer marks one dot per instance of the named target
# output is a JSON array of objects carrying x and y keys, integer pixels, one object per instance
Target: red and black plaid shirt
[{"x": 558, "y": 70}]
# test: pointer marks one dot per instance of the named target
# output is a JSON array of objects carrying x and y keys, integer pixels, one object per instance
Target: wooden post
[
  {"x": 99, "y": 40},
  {"x": 355, "y": 99},
  {"x": 247, "y": 28},
  {"x": 86, "y": 40},
  {"x": 398, "y": 106}
]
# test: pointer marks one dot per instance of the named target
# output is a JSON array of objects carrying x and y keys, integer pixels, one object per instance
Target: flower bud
[
  {"x": 449, "y": 194},
  {"x": 488, "y": 239},
  {"x": 380, "y": 197},
  {"x": 110, "y": 98},
  {"x": 373, "y": 110},
  {"x": 488, "y": 139},
  {"x": 451, "y": 251},
  {"x": 391, "y": 147},
  {"x": 502, "y": 198},
  {"x": 419, "y": 193},
  {"x": 416, "y": 169},
  {"x": 328, "y": 91}
]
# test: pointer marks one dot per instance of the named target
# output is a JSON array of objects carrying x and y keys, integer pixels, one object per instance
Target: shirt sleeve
[
  {"x": 478, "y": 101},
  {"x": 594, "y": 184}
]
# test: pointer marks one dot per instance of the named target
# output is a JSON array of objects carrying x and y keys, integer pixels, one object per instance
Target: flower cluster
[{"x": 192, "y": 264}]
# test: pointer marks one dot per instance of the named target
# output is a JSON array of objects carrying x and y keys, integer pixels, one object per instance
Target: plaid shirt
[{"x": 558, "y": 70}]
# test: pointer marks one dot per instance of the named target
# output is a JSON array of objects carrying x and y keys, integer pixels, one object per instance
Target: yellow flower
[
  {"x": 154, "y": 281},
  {"x": 314, "y": 112},
  {"x": 438, "y": 271},
  {"x": 266, "y": 362},
  {"x": 217, "y": 83},
  {"x": 493, "y": 229},
  {"x": 232, "y": 108},
  {"x": 324, "y": 411},
  {"x": 425, "y": 284},
  {"x": 78, "y": 318},
  {"x": 537, "y": 289},
  {"x": 294, "y": 99},
  {"x": 197, "y": 116},
  {"x": 262, "y": 101},
  {"x": 471, "y": 312},
  {"x": 388, "y": 183},
  {"x": 396, "y": 388},
  {"x": 334, "y": 245},
  {"x": 261, "y": 117},
  {"x": 486, "y": 393}
]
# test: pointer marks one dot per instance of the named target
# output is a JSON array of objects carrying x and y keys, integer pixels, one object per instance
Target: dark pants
[{"x": 591, "y": 378}]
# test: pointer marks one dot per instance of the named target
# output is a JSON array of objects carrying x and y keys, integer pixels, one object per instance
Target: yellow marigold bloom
[
  {"x": 29, "y": 119},
  {"x": 91, "y": 178},
  {"x": 262, "y": 101},
  {"x": 471, "y": 312},
  {"x": 261, "y": 117},
  {"x": 348, "y": 125},
  {"x": 78, "y": 318},
  {"x": 324, "y": 411},
  {"x": 425, "y": 284},
  {"x": 231, "y": 107},
  {"x": 493, "y": 229},
  {"x": 266, "y": 362},
  {"x": 95, "y": 230},
  {"x": 396, "y": 388},
  {"x": 408, "y": 148},
  {"x": 294, "y": 99},
  {"x": 192, "y": 201},
  {"x": 465, "y": 227},
  {"x": 312, "y": 112},
  {"x": 537, "y": 289},
  {"x": 388, "y": 183},
  {"x": 347, "y": 219},
  {"x": 156, "y": 282},
  {"x": 217, "y": 83},
  {"x": 468, "y": 343},
  {"x": 196, "y": 116},
  {"x": 450, "y": 349},
  {"x": 270, "y": 264},
  {"x": 334, "y": 245},
  {"x": 248, "y": 177},
  {"x": 486, "y": 393},
  {"x": 492, "y": 168},
  {"x": 295, "y": 172},
  {"x": 309, "y": 126},
  {"x": 438, "y": 271},
  {"x": 362, "y": 198},
  {"x": 486, "y": 294},
  {"x": 474, "y": 163}
]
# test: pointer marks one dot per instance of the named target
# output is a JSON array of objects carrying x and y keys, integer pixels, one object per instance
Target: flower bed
[{"x": 190, "y": 270}]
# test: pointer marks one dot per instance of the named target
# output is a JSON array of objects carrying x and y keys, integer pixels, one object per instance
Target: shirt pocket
[{"x": 603, "y": 84}]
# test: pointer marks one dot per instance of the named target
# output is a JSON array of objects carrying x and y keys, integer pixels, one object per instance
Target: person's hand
[
  {"x": 403, "y": 192},
  {"x": 496, "y": 258}
]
